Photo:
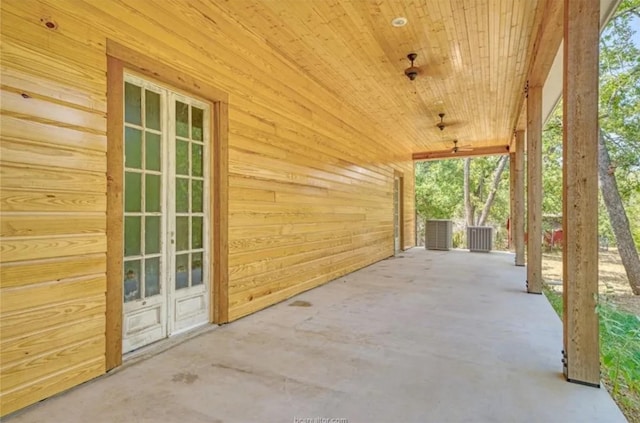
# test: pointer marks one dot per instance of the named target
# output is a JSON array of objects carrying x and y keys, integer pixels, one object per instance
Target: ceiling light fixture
[{"x": 399, "y": 21}]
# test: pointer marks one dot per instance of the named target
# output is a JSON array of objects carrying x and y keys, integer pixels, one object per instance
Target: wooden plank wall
[{"x": 310, "y": 180}]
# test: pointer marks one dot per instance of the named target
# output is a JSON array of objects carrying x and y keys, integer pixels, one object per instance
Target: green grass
[
  {"x": 619, "y": 353},
  {"x": 555, "y": 299}
]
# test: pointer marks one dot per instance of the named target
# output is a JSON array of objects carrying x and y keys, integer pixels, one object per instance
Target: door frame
[
  {"x": 120, "y": 58},
  {"x": 400, "y": 177}
]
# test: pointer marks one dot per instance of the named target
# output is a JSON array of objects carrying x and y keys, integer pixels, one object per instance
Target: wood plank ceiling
[{"x": 473, "y": 56}]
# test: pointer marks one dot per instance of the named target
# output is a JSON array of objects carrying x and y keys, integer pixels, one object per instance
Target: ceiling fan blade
[
  {"x": 453, "y": 123},
  {"x": 465, "y": 148}
]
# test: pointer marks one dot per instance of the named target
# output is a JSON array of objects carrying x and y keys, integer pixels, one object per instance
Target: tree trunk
[
  {"x": 476, "y": 198},
  {"x": 469, "y": 211},
  {"x": 618, "y": 216},
  {"x": 497, "y": 176}
]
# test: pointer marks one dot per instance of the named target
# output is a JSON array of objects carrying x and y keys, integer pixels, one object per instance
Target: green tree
[
  {"x": 619, "y": 158},
  {"x": 552, "y": 164},
  {"x": 619, "y": 141},
  {"x": 439, "y": 189},
  {"x": 482, "y": 182}
]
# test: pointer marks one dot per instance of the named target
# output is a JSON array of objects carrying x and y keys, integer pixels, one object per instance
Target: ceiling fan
[
  {"x": 457, "y": 149},
  {"x": 441, "y": 125}
]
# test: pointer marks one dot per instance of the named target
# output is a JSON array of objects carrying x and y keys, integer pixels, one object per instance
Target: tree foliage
[
  {"x": 620, "y": 105},
  {"x": 440, "y": 191},
  {"x": 619, "y": 120}
]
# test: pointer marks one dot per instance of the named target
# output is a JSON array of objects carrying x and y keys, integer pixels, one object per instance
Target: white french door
[{"x": 166, "y": 281}]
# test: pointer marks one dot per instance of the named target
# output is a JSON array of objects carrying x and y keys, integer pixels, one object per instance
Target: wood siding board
[
  {"x": 39, "y": 225},
  {"x": 355, "y": 261},
  {"x": 30, "y": 177},
  {"x": 22, "y": 129},
  {"x": 27, "y": 344},
  {"x": 14, "y": 104},
  {"x": 34, "y": 200},
  {"x": 301, "y": 154},
  {"x": 49, "y": 316},
  {"x": 29, "y": 31},
  {"x": 42, "y": 388},
  {"x": 25, "y": 82},
  {"x": 268, "y": 265},
  {"x": 38, "y": 295},
  {"x": 31, "y": 59},
  {"x": 21, "y": 248},
  {"x": 54, "y": 360},
  {"x": 29, "y": 272},
  {"x": 54, "y": 156}
]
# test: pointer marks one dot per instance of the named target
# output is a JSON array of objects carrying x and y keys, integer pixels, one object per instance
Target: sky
[{"x": 636, "y": 37}]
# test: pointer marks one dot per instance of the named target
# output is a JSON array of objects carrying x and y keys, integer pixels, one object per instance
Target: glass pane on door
[
  {"x": 182, "y": 271},
  {"x": 132, "y": 104},
  {"x": 143, "y": 199},
  {"x": 190, "y": 195},
  {"x": 152, "y": 277},
  {"x": 196, "y": 269},
  {"x": 131, "y": 280}
]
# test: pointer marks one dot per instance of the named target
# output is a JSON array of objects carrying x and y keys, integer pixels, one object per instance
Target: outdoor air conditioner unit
[
  {"x": 438, "y": 234},
  {"x": 480, "y": 238}
]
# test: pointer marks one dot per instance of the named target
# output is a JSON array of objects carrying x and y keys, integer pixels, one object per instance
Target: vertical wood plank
[
  {"x": 221, "y": 212},
  {"x": 115, "y": 242},
  {"x": 519, "y": 209},
  {"x": 534, "y": 190},
  {"x": 580, "y": 191}
]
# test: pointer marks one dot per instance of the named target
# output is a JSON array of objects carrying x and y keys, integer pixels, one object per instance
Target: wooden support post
[
  {"x": 580, "y": 191},
  {"x": 512, "y": 199},
  {"x": 518, "y": 212},
  {"x": 534, "y": 190},
  {"x": 115, "y": 220}
]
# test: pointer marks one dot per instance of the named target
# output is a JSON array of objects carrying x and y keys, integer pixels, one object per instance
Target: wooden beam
[
  {"x": 448, "y": 154},
  {"x": 534, "y": 190},
  {"x": 521, "y": 124},
  {"x": 548, "y": 39},
  {"x": 546, "y": 43},
  {"x": 400, "y": 175},
  {"x": 115, "y": 230},
  {"x": 220, "y": 289},
  {"x": 519, "y": 209},
  {"x": 580, "y": 191},
  {"x": 512, "y": 198}
]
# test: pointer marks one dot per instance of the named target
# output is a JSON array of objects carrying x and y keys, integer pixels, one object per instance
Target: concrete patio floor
[{"x": 426, "y": 337}]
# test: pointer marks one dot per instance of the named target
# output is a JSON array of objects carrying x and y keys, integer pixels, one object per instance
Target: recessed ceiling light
[{"x": 399, "y": 21}]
